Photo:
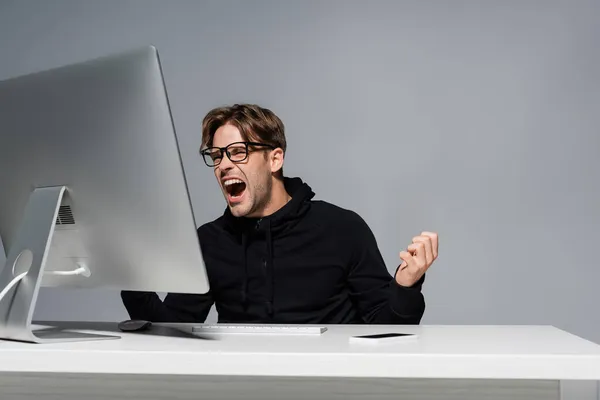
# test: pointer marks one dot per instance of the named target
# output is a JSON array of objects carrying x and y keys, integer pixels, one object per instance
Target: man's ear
[{"x": 276, "y": 160}]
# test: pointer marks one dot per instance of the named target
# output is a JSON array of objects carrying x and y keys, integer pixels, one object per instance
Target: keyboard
[{"x": 258, "y": 329}]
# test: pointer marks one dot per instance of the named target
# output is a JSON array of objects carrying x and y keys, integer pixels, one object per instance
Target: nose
[{"x": 225, "y": 164}]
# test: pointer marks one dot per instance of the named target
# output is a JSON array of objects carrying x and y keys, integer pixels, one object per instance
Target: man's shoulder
[
  {"x": 337, "y": 215},
  {"x": 212, "y": 227},
  {"x": 347, "y": 226}
]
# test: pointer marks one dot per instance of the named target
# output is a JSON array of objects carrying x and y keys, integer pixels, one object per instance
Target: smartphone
[{"x": 383, "y": 338}]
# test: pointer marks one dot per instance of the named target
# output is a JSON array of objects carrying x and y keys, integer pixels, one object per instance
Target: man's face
[{"x": 246, "y": 185}]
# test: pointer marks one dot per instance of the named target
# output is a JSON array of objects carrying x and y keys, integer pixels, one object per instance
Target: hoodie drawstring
[
  {"x": 271, "y": 270},
  {"x": 245, "y": 282}
]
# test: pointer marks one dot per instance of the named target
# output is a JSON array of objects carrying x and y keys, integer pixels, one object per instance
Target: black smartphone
[{"x": 382, "y": 337}]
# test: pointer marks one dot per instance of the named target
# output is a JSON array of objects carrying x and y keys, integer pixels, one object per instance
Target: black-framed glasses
[{"x": 237, "y": 152}]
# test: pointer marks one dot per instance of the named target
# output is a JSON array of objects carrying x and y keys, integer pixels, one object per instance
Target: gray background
[{"x": 477, "y": 119}]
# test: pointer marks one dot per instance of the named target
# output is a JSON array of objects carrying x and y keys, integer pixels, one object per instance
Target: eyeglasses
[{"x": 237, "y": 152}]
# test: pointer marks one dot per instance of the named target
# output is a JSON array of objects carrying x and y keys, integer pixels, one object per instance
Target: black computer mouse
[{"x": 134, "y": 325}]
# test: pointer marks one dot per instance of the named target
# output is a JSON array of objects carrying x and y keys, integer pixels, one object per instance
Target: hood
[{"x": 284, "y": 218}]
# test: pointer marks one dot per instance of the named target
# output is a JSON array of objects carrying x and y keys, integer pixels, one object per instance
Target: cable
[
  {"x": 82, "y": 270},
  {"x": 76, "y": 271},
  {"x": 12, "y": 283}
]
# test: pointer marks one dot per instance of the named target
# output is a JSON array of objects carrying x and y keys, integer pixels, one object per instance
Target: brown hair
[{"x": 256, "y": 124}]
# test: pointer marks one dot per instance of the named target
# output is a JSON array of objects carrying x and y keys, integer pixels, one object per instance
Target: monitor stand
[{"x": 24, "y": 270}]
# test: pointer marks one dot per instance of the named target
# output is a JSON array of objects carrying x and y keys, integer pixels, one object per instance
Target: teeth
[{"x": 232, "y": 181}]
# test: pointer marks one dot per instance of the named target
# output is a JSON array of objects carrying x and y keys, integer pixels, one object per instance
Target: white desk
[{"x": 450, "y": 362}]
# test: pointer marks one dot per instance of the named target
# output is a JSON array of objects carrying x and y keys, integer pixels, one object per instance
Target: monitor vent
[{"x": 65, "y": 216}]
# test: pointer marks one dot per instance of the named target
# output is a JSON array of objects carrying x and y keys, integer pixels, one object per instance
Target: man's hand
[{"x": 420, "y": 254}]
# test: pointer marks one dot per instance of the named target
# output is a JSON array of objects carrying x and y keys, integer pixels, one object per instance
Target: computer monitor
[
  {"x": 2, "y": 253},
  {"x": 92, "y": 188}
]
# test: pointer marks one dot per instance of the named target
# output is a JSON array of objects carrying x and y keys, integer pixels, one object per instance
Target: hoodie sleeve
[
  {"x": 177, "y": 307},
  {"x": 379, "y": 298}
]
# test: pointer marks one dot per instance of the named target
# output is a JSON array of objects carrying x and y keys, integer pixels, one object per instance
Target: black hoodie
[{"x": 310, "y": 262}]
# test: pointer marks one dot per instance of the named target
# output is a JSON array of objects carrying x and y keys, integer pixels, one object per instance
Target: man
[{"x": 276, "y": 255}]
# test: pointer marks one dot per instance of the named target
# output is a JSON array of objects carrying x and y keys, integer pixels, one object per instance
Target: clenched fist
[{"x": 417, "y": 258}]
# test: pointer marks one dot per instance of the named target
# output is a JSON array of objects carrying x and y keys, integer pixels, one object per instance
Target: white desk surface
[{"x": 470, "y": 352}]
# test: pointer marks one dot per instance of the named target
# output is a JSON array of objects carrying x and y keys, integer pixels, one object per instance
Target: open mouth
[{"x": 235, "y": 188}]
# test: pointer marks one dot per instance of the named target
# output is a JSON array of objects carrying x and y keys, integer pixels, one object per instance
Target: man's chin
[{"x": 238, "y": 210}]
